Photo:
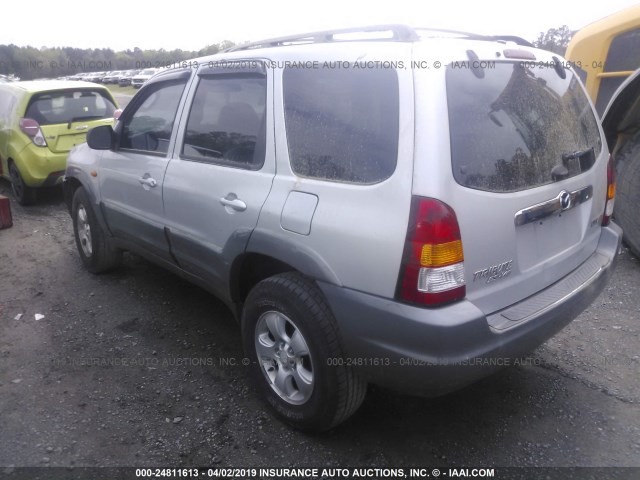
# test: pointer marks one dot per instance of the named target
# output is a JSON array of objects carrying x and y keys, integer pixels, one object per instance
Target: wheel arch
[
  {"x": 76, "y": 178},
  {"x": 267, "y": 255}
]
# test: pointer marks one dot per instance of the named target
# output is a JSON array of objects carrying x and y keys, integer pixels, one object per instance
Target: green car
[{"x": 40, "y": 122}]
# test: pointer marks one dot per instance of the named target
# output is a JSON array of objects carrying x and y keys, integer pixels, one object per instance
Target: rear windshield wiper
[
  {"x": 586, "y": 158},
  {"x": 579, "y": 154},
  {"x": 86, "y": 117}
]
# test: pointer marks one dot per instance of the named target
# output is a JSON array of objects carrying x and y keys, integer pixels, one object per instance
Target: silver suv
[{"x": 409, "y": 208}]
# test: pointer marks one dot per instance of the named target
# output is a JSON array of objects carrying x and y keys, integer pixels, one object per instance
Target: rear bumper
[
  {"x": 40, "y": 167},
  {"x": 434, "y": 351}
]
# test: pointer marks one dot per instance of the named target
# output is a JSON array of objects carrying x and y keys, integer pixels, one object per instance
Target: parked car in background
[
  {"x": 112, "y": 77},
  {"x": 416, "y": 228},
  {"x": 125, "y": 78},
  {"x": 95, "y": 77},
  {"x": 8, "y": 78},
  {"x": 40, "y": 122},
  {"x": 141, "y": 78},
  {"x": 79, "y": 76},
  {"x": 91, "y": 77}
]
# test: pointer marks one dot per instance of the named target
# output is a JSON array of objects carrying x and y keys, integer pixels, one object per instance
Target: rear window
[
  {"x": 64, "y": 106},
  {"x": 342, "y": 125},
  {"x": 518, "y": 126}
]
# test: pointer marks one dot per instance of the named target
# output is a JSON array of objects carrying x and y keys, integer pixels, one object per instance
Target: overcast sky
[{"x": 191, "y": 25}]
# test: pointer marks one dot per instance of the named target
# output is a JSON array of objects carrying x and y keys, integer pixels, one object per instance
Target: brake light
[
  {"x": 432, "y": 271},
  {"x": 611, "y": 193},
  {"x": 31, "y": 128}
]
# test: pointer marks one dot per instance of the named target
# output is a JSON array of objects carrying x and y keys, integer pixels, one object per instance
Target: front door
[{"x": 131, "y": 175}]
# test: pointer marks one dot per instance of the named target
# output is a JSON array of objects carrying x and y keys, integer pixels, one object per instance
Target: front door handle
[
  {"x": 231, "y": 202},
  {"x": 147, "y": 181}
]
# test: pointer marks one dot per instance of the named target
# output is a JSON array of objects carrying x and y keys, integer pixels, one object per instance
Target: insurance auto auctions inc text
[{"x": 331, "y": 473}]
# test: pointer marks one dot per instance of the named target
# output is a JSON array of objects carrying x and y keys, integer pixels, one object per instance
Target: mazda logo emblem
[{"x": 565, "y": 200}]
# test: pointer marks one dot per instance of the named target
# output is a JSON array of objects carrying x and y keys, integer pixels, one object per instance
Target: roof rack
[
  {"x": 476, "y": 36},
  {"x": 399, "y": 33}
]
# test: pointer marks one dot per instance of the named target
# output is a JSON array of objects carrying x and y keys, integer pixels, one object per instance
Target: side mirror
[{"x": 101, "y": 138}]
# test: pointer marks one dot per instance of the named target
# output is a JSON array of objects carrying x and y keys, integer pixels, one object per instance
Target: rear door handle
[
  {"x": 232, "y": 202},
  {"x": 147, "y": 181}
]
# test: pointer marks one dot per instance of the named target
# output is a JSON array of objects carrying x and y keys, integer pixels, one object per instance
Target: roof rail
[
  {"x": 400, "y": 33},
  {"x": 475, "y": 36}
]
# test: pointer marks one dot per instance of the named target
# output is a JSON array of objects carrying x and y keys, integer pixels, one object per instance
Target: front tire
[
  {"x": 290, "y": 337},
  {"x": 95, "y": 248},
  {"x": 24, "y": 194}
]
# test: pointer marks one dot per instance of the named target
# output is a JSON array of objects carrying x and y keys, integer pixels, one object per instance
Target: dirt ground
[{"x": 140, "y": 368}]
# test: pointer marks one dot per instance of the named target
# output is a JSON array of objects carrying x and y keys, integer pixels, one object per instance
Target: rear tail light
[
  {"x": 31, "y": 128},
  {"x": 432, "y": 271},
  {"x": 611, "y": 193}
]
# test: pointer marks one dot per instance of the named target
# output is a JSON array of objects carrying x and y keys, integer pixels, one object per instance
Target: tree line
[{"x": 29, "y": 63}]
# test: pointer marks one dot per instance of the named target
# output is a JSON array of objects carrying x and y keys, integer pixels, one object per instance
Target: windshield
[
  {"x": 519, "y": 126},
  {"x": 51, "y": 108}
]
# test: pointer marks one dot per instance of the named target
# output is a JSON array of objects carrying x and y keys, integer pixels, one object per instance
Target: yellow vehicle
[
  {"x": 606, "y": 55},
  {"x": 606, "y": 52},
  {"x": 40, "y": 122}
]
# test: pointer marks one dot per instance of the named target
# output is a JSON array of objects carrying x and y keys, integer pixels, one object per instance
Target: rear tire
[
  {"x": 626, "y": 210},
  {"x": 291, "y": 338},
  {"x": 24, "y": 194},
  {"x": 95, "y": 248}
]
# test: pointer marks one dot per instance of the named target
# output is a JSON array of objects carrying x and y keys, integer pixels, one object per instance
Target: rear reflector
[
  {"x": 432, "y": 271},
  {"x": 611, "y": 193}
]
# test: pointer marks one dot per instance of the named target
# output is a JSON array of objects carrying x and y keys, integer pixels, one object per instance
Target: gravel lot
[{"x": 140, "y": 368}]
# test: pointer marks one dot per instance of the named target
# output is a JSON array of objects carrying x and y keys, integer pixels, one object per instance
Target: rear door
[
  {"x": 527, "y": 176},
  {"x": 131, "y": 175},
  {"x": 216, "y": 186}
]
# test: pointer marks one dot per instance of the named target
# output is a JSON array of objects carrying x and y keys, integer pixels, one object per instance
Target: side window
[
  {"x": 149, "y": 128},
  {"x": 342, "y": 125},
  {"x": 226, "y": 122},
  {"x": 624, "y": 55},
  {"x": 624, "y": 52}
]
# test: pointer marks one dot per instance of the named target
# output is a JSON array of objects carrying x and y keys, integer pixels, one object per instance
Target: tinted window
[
  {"x": 608, "y": 87},
  {"x": 518, "y": 128},
  {"x": 227, "y": 121},
  {"x": 149, "y": 127},
  {"x": 624, "y": 52},
  {"x": 342, "y": 124},
  {"x": 51, "y": 108}
]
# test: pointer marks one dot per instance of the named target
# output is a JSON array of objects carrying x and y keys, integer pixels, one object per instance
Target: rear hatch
[
  {"x": 65, "y": 116},
  {"x": 527, "y": 176}
]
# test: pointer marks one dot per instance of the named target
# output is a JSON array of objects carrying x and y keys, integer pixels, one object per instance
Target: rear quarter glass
[
  {"x": 518, "y": 127},
  {"x": 342, "y": 125}
]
